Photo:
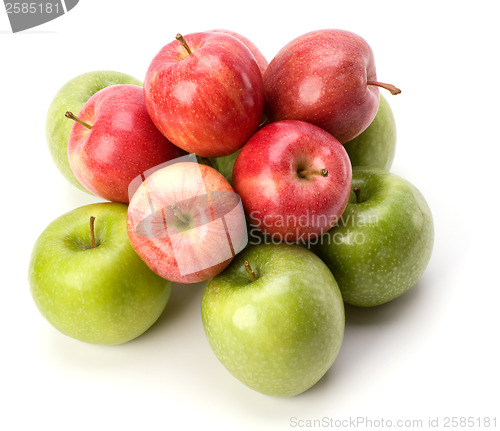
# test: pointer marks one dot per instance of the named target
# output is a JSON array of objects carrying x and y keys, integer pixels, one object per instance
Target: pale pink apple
[{"x": 186, "y": 222}]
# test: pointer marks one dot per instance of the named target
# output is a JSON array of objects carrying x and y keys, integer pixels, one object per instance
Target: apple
[
  {"x": 256, "y": 52},
  {"x": 204, "y": 92},
  {"x": 383, "y": 242},
  {"x": 327, "y": 78},
  {"x": 113, "y": 140},
  {"x": 89, "y": 283},
  {"x": 225, "y": 165},
  {"x": 71, "y": 97},
  {"x": 275, "y": 318},
  {"x": 294, "y": 180},
  {"x": 186, "y": 222},
  {"x": 376, "y": 146}
]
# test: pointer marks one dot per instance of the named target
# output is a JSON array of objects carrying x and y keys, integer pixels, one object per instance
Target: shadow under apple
[
  {"x": 383, "y": 314},
  {"x": 181, "y": 301}
]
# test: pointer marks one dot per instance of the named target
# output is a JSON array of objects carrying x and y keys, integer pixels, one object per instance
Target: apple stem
[
  {"x": 357, "y": 192},
  {"x": 305, "y": 172},
  {"x": 181, "y": 39},
  {"x": 73, "y": 117},
  {"x": 178, "y": 214},
  {"x": 393, "y": 89},
  {"x": 92, "y": 234},
  {"x": 250, "y": 271}
]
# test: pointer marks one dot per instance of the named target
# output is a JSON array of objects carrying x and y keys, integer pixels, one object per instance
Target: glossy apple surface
[
  {"x": 323, "y": 78},
  {"x": 208, "y": 101},
  {"x": 122, "y": 143},
  {"x": 104, "y": 294},
  {"x": 186, "y": 222},
  {"x": 277, "y": 194},
  {"x": 381, "y": 245},
  {"x": 256, "y": 52},
  {"x": 71, "y": 97},
  {"x": 376, "y": 146},
  {"x": 282, "y": 332}
]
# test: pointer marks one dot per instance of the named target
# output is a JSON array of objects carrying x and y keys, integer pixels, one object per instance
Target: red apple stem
[
  {"x": 250, "y": 271},
  {"x": 306, "y": 172},
  {"x": 357, "y": 192},
  {"x": 178, "y": 214},
  {"x": 393, "y": 89},
  {"x": 181, "y": 39},
  {"x": 73, "y": 117},
  {"x": 92, "y": 234}
]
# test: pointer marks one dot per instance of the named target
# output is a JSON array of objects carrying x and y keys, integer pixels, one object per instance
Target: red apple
[
  {"x": 204, "y": 92},
  {"x": 327, "y": 78},
  {"x": 113, "y": 141},
  {"x": 186, "y": 222},
  {"x": 294, "y": 180},
  {"x": 256, "y": 52}
]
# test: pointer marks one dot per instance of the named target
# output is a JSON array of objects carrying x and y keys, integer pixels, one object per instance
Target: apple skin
[
  {"x": 278, "y": 201},
  {"x": 210, "y": 101},
  {"x": 225, "y": 165},
  {"x": 281, "y": 333},
  {"x": 381, "y": 246},
  {"x": 376, "y": 146},
  {"x": 122, "y": 144},
  {"x": 71, "y": 97},
  {"x": 256, "y": 52},
  {"x": 102, "y": 295},
  {"x": 321, "y": 78},
  {"x": 182, "y": 183}
]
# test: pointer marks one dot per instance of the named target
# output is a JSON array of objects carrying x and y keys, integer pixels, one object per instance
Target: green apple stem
[
  {"x": 92, "y": 234},
  {"x": 181, "y": 39},
  {"x": 307, "y": 172},
  {"x": 357, "y": 192},
  {"x": 178, "y": 214},
  {"x": 393, "y": 89},
  {"x": 250, "y": 271},
  {"x": 73, "y": 117}
]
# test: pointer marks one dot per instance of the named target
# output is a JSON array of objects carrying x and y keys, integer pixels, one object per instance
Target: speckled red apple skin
[
  {"x": 256, "y": 52},
  {"x": 321, "y": 77},
  {"x": 265, "y": 176},
  {"x": 208, "y": 102},
  {"x": 122, "y": 144}
]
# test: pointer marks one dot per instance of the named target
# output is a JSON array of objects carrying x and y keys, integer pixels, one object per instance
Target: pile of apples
[{"x": 269, "y": 181}]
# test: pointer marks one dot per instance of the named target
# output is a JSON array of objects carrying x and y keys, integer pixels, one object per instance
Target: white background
[{"x": 431, "y": 353}]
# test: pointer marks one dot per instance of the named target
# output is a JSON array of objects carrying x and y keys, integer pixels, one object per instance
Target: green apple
[
  {"x": 71, "y": 97},
  {"x": 376, "y": 146},
  {"x": 89, "y": 283},
  {"x": 225, "y": 165},
  {"x": 382, "y": 243},
  {"x": 276, "y": 324}
]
